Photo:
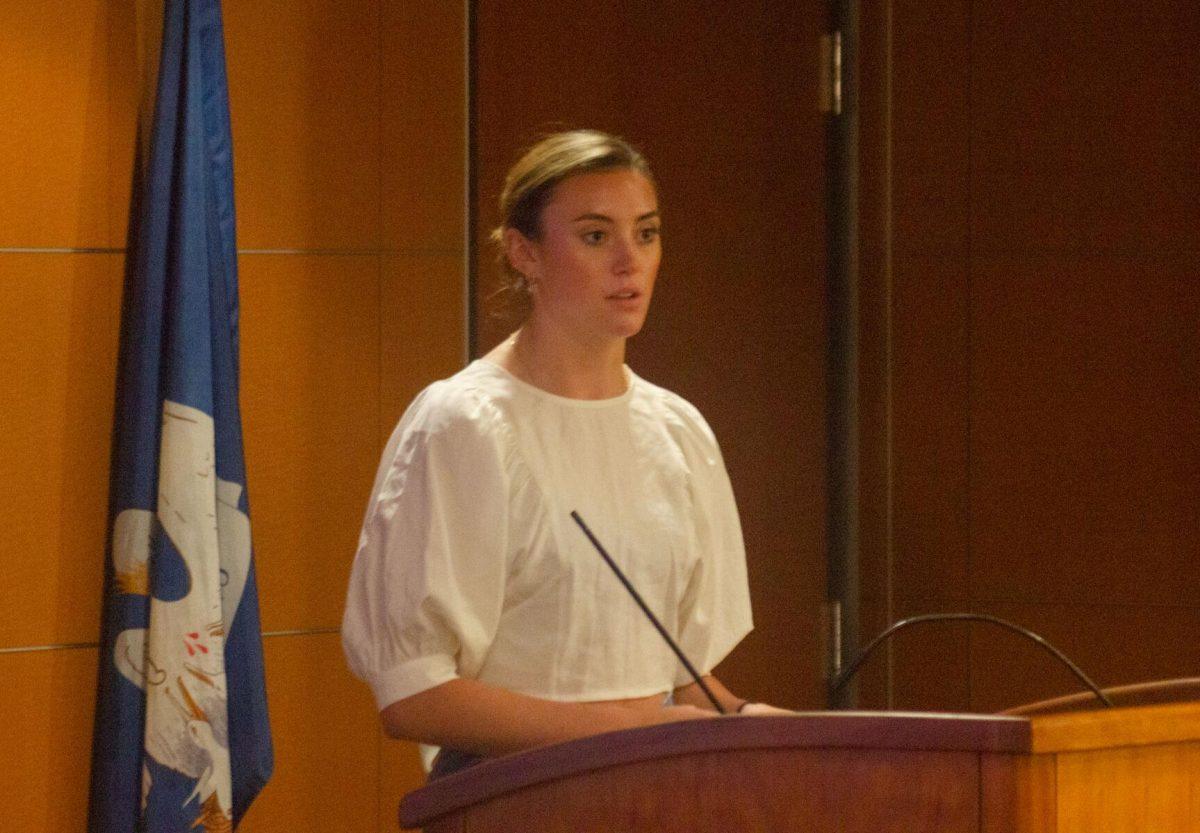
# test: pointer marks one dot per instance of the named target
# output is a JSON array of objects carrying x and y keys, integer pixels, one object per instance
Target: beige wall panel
[
  {"x": 46, "y": 735},
  {"x": 58, "y": 343},
  {"x": 310, "y": 410},
  {"x": 324, "y": 728},
  {"x": 304, "y": 98},
  {"x": 400, "y": 772},
  {"x": 54, "y": 80},
  {"x": 423, "y": 325},
  {"x": 423, "y": 113}
]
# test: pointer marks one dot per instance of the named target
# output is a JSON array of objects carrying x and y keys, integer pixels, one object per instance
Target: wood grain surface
[
  {"x": 851, "y": 738},
  {"x": 1111, "y": 728},
  {"x": 1123, "y": 770}
]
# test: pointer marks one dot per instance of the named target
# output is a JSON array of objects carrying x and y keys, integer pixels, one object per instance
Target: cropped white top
[{"x": 469, "y": 564}]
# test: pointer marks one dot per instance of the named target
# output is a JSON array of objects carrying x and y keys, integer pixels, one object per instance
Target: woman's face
[{"x": 592, "y": 271}]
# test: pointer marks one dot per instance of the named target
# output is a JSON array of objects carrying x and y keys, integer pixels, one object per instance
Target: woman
[{"x": 478, "y": 612}]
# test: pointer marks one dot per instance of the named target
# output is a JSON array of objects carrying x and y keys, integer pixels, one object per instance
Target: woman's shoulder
[
  {"x": 464, "y": 402},
  {"x": 453, "y": 421},
  {"x": 674, "y": 410}
]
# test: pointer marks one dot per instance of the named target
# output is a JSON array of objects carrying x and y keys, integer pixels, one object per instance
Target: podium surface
[{"x": 1116, "y": 770}]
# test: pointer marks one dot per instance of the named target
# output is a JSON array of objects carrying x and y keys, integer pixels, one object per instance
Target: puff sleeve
[
  {"x": 427, "y": 585},
  {"x": 714, "y": 613}
]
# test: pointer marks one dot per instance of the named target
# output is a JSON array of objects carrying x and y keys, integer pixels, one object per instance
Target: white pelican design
[{"x": 181, "y": 665}]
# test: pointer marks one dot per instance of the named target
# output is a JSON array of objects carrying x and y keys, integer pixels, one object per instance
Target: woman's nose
[{"x": 625, "y": 255}]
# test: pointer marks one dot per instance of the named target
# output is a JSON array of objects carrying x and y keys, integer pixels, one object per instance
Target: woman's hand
[{"x": 764, "y": 710}]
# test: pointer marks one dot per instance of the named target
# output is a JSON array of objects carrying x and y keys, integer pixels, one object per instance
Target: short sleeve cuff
[{"x": 412, "y": 677}]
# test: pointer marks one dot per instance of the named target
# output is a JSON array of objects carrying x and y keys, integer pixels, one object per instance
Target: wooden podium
[{"x": 1122, "y": 770}]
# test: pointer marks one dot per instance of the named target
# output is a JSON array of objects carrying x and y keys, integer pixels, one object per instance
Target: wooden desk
[{"x": 1114, "y": 771}]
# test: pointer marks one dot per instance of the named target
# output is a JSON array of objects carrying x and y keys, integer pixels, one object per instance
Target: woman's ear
[{"x": 521, "y": 252}]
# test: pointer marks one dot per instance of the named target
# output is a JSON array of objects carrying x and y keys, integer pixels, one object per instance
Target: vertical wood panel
[
  {"x": 1080, "y": 347},
  {"x": 1086, "y": 127},
  {"x": 1018, "y": 794},
  {"x": 915, "y": 419},
  {"x": 931, "y": 428},
  {"x": 422, "y": 325},
  {"x": 46, "y": 738},
  {"x": 933, "y": 662},
  {"x": 874, "y": 336},
  {"x": 400, "y": 772},
  {"x": 931, "y": 125},
  {"x": 58, "y": 338},
  {"x": 126, "y": 29},
  {"x": 324, "y": 728},
  {"x": 54, "y": 142},
  {"x": 1158, "y": 789},
  {"x": 1086, "y": 455},
  {"x": 1114, "y": 644},
  {"x": 423, "y": 115},
  {"x": 305, "y": 102},
  {"x": 310, "y": 404}
]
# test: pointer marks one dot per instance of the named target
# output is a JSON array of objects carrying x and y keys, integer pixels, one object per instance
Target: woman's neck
[{"x": 563, "y": 367}]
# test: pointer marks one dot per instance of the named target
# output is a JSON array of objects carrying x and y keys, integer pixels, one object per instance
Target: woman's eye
[
  {"x": 650, "y": 233},
  {"x": 593, "y": 238}
]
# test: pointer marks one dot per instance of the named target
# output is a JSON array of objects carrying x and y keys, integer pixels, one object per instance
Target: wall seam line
[{"x": 75, "y": 646}]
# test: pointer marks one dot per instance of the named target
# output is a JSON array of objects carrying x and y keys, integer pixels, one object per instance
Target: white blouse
[{"x": 469, "y": 564}]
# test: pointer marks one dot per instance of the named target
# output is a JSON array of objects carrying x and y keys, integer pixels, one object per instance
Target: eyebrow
[{"x": 604, "y": 218}]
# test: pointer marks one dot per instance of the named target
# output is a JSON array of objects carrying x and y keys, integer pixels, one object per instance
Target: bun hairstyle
[{"x": 530, "y": 184}]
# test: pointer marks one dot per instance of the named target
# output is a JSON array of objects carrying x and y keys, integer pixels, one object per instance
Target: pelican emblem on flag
[{"x": 204, "y": 557}]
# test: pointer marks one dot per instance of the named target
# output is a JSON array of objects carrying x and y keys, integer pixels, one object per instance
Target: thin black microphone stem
[
  {"x": 849, "y": 671},
  {"x": 649, "y": 613}
]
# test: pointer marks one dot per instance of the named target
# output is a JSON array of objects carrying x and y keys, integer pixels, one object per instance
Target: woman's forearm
[
  {"x": 692, "y": 695},
  {"x": 486, "y": 720}
]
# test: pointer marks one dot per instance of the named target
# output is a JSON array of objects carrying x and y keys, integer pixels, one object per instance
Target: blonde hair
[{"x": 531, "y": 182}]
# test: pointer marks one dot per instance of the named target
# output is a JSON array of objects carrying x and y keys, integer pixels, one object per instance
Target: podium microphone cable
[{"x": 849, "y": 671}]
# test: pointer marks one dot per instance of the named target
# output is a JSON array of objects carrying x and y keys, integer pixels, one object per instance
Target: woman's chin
[{"x": 628, "y": 325}]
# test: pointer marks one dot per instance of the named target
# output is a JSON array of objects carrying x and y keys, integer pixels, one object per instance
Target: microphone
[
  {"x": 849, "y": 671},
  {"x": 691, "y": 669}
]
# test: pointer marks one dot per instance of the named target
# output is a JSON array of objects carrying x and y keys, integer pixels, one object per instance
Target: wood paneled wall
[
  {"x": 723, "y": 101},
  {"x": 1031, "y": 429},
  {"x": 349, "y": 122}
]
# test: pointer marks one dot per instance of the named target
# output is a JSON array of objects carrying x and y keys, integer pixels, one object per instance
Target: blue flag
[{"x": 181, "y": 740}]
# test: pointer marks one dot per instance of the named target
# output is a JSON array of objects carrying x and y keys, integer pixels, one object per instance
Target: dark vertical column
[{"x": 842, "y": 382}]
